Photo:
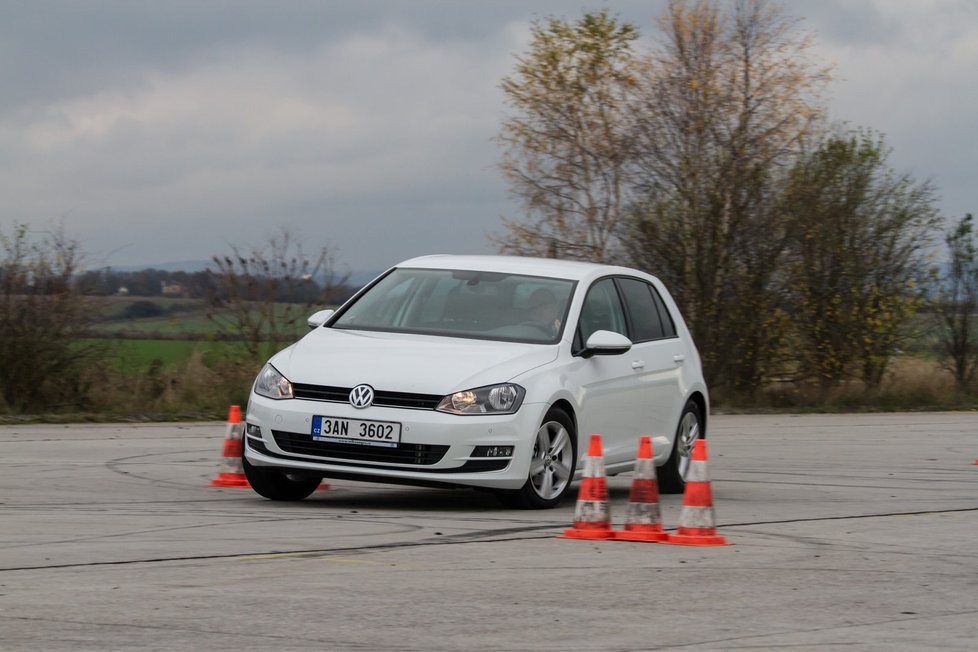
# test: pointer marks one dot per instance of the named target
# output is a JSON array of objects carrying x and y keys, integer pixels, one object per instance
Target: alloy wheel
[
  {"x": 689, "y": 432},
  {"x": 551, "y": 467}
]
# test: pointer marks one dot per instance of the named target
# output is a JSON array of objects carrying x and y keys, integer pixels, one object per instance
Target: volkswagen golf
[{"x": 480, "y": 371}]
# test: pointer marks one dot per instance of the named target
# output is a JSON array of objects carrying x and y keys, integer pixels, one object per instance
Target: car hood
[{"x": 406, "y": 363}]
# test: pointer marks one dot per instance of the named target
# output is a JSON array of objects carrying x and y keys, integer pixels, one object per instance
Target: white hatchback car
[{"x": 480, "y": 371}]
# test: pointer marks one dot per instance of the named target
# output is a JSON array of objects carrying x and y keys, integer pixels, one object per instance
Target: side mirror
[
  {"x": 317, "y": 319},
  {"x": 606, "y": 343}
]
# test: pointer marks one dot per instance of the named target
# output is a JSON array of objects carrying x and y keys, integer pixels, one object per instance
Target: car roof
[{"x": 569, "y": 269}]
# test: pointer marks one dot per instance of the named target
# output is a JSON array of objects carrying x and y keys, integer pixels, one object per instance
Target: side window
[
  {"x": 642, "y": 313},
  {"x": 668, "y": 326},
  {"x": 602, "y": 310}
]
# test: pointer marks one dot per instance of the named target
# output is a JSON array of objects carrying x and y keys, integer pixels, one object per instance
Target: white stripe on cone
[
  {"x": 591, "y": 511},
  {"x": 697, "y": 472},
  {"x": 593, "y": 467},
  {"x": 233, "y": 464},
  {"x": 698, "y": 517},
  {"x": 643, "y": 513}
]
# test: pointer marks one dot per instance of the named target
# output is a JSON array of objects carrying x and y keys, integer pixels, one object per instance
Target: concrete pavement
[{"x": 855, "y": 531}]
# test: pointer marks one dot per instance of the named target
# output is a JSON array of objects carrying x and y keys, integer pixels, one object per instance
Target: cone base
[
  {"x": 637, "y": 535},
  {"x": 696, "y": 540},
  {"x": 596, "y": 535},
  {"x": 230, "y": 480}
]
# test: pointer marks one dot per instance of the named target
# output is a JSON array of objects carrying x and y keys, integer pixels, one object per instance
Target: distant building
[
  {"x": 123, "y": 291},
  {"x": 173, "y": 289}
]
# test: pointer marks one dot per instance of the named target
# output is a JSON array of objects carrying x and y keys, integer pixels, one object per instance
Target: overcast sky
[{"x": 166, "y": 131}]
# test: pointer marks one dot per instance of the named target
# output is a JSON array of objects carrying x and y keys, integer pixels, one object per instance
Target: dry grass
[
  {"x": 917, "y": 381},
  {"x": 196, "y": 386},
  {"x": 910, "y": 383},
  {"x": 205, "y": 384}
]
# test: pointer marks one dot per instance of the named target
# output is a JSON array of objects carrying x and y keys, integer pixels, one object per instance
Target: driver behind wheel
[{"x": 543, "y": 310}]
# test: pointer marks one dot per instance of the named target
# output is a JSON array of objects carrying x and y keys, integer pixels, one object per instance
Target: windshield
[{"x": 463, "y": 303}]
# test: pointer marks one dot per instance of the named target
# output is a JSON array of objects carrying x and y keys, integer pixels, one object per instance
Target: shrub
[{"x": 43, "y": 366}]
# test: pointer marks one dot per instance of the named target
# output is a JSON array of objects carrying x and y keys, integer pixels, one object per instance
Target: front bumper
[{"x": 435, "y": 447}]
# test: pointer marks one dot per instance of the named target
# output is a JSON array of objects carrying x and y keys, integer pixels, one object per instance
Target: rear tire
[
  {"x": 672, "y": 474},
  {"x": 552, "y": 463},
  {"x": 277, "y": 485}
]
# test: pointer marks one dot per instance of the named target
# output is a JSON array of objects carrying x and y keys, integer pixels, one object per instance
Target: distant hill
[
  {"x": 188, "y": 266},
  {"x": 357, "y": 278}
]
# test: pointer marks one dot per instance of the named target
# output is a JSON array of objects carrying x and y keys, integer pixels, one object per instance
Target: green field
[
  {"x": 140, "y": 335},
  {"x": 173, "y": 317},
  {"x": 166, "y": 317},
  {"x": 186, "y": 326},
  {"x": 135, "y": 356}
]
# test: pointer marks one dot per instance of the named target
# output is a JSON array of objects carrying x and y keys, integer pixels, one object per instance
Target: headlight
[
  {"x": 495, "y": 399},
  {"x": 272, "y": 384}
]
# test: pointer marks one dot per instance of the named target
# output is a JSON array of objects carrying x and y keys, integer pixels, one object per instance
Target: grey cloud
[{"x": 164, "y": 130}]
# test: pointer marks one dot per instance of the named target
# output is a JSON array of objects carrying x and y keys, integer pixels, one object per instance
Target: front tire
[
  {"x": 277, "y": 485},
  {"x": 672, "y": 474},
  {"x": 552, "y": 464}
]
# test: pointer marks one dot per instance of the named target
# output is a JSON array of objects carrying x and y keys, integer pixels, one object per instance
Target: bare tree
[
  {"x": 956, "y": 299},
  {"x": 264, "y": 294},
  {"x": 567, "y": 142},
  {"x": 722, "y": 108}
]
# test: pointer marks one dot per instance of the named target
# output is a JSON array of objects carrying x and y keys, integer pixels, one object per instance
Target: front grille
[
  {"x": 302, "y": 444},
  {"x": 433, "y": 453},
  {"x": 381, "y": 398}
]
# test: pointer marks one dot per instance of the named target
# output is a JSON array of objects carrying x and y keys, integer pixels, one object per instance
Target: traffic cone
[
  {"x": 592, "y": 518},
  {"x": 697, "y": 525},
  {"x": 643, "y": 519},
  {"x": 231, "y": 470}
]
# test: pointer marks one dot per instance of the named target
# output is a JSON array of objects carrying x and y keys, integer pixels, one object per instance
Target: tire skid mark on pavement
[
  {"x": 395, "y": 528},
  {"x": 928, "y": 484},
  {"x": 849, "y": 517},
  {"x": 115, "y": 465},
  {"x": 779, "y": 635},
  {"x": 483, "y": 536},
  {"x": 468, "y": 537},
  {"x": 265, "y": 508},
  {"x": 54, "y": 440},
  {"x": 224, "y": 633}
]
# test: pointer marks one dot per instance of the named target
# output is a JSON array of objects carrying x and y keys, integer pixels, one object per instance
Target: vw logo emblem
[{"x": 361, "y": 396}]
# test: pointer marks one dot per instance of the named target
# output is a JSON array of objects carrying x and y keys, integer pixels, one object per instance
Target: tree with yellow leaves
[
  {"x": 566, "y": 142},
  {"x": 859, "y": 233},
  {"x": 707, "y": 161}
]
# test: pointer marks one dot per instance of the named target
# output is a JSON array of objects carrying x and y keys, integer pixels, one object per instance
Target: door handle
[
  {"x": 638, "y": 364},
  {"x": 678, "y": 359}
]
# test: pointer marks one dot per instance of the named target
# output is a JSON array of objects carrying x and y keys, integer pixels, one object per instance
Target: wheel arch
[
  {"x": 699, "y": 399},
  {"x": 568, "y": 409}
]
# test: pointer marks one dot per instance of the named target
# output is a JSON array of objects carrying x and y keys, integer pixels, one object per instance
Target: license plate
[{"x": 356, "y": 431}]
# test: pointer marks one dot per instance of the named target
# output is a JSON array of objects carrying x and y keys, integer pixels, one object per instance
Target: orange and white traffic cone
[
  {"x": 592, "y": 518},
  {"x": 231, "y": 472},
  {"x": 643, "y": 518},
  {"x": 697, "y": 524}
]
